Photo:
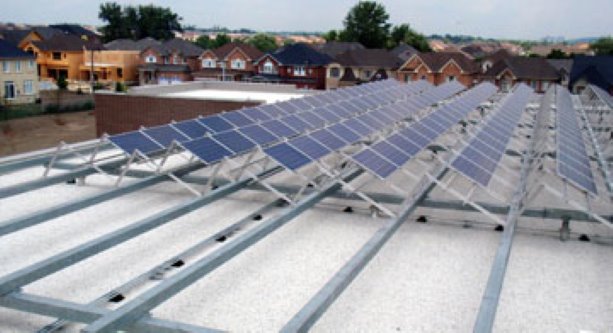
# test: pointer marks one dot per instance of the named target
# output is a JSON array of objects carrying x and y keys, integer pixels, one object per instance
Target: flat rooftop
[{"x": 235, "y": 95}]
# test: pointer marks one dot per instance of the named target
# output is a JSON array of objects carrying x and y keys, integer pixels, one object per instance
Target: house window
[
  {"x": 57, "y": 55},
  {"x": 120, "y": 73},
  {"x": 5, "y": 67},
  {"x": 238, "y": 64},
  {"x": 450, "y": 78},
  {"x": 268, "y": 67},
  {"x": 27, "y": 87},
  {"x": 17, "y": 66},
  {"x": 31, "y": 64},
  {"x": 208, "y": 63},
  {"x": 151, "y": 59},
  {"x": 367, "y": 74},
  {"x": 533, "y": 84},
  {"x": 176, "y": 60},
  {"x": 335, "y": 72},
  {"x": 9, "y": 89},
  {"x": 299, "y": 71},
  {"x": 423, "y": 77}
]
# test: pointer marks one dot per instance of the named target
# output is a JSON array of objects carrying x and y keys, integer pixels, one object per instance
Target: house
[
  {"x": 76, "y": 30},
  {"x": 563, "y": 67},
  {"x": 18, "y": 77},
  {"x": 61, "y": 55},
  {"x": 439, "y": 67},
  {"x": 535, "y": 72},
  {"x": 230, "y": 62},
  {"x": 404, "y": 51},
  {"x": 596, "y": 70},
  {"x": 364, "y": 65},
  {"x": 118, "y": 62},
  {"x": 333, "y": 49},
  {"x": 488, "y": 61},
  {"x": 171, "y": 61},
  {"x": 298, "y": 64}
]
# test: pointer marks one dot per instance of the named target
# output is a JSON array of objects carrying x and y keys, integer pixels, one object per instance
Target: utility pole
[{"x": 91, "y": 74}]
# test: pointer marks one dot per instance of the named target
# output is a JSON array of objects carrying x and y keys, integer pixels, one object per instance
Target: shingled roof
[
  {"x": 61, "y": 42},
  {"x": 13, "y": 36},
  {"x": 184, "y": 47},
  {"x": 379, "y": 58},
  {"x": 301, "y": 54},
  {"x": 223, "y": 51},
  {"x": 524, "y": 68},
  {"x": 333, "y": 49},
  {"x": 131, "y": 45},
  {"x": 597, "y": 70},
  {"x": 404, "y": 51},
  {"x": 9, "y": 51},
  {"x": 437, "y": 60}
]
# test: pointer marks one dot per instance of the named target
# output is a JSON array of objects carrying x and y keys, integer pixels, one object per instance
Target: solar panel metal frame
[
  {"x": 189, "y": 128},
  {"x": 163, "y": 137},
  {"x": 145, "y": 146}
]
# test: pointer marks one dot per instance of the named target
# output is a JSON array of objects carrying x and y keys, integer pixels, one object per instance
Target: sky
[{"x": 512, "y": 19}]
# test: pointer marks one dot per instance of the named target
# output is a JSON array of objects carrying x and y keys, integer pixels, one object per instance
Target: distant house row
[{"x": 62, "y": 53}]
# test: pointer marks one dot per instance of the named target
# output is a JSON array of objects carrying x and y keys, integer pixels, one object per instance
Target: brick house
[
  {"x": 535, "y": 72},
  {"x": 18, "y": 77},
  {"x": 230, "y": 62},
  {"x": 298, "y": 64},
  {"x": 364, "y": 65},
  {"x": 439, "y": 67},
  {"x": 169, "y": 62}
]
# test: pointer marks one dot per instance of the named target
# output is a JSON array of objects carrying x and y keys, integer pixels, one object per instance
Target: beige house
[{"x": 18, "y": 75}]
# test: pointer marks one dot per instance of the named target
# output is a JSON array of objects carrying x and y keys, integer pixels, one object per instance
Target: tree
[
  {"x": 367, "y": 23},
  {"x": 557, "y": 54},
  {"x": 220, "y": 40},
  {"x": 331, "y": 36},
  {"x": 603, "y": 46},
  {"x": 263, "y": 42},
  {"x": 404, "y": 34},
  {"x": 204, "y": 41},
  {"x": 138, "y": 22}
]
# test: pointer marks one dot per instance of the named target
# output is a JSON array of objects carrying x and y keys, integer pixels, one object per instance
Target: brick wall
[{"x": 121, "y": 113}]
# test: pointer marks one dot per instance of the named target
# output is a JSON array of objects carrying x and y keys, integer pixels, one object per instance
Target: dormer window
[
  {"x": 151, "y": 59},
  {"x": 238, "y": 64},
  {"x": 299, "y": 71},
  {"x": 268, "y": 67},
  {"x": 208, "y": 63}
]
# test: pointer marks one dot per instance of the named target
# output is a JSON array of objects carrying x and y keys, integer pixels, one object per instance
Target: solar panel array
[
  {"x": 480, "y": 158},
  {"x": 236, "y": 132},
  {"x": 385, "y": 157},
  {"x": 573, "y": 163},
  {"x": 602, "y": 95}
]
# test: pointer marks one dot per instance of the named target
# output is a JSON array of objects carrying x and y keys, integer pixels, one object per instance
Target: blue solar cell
[
  {"x": 236, "y": 118},
  {"x": 415, "y": 137},
  {"x": 315, "y": 101},
  {"x": 404, "y": 144},
  {"x": 328, "y": 115},
  {"x": 471, "y": 170},
  {"x": 279, "y": 129},
  {"x": 287, "y": 107},
  {"x": 287, "y": 156},
  {"x": 391, "y": 153},
  {"x": 273, "y": 110},
  {"x": 258, "y": 134},
  {"x": 191, "y": 128},
  {"x": 373, "y": 122},
  {"x": 374, "y": 163},
  {"x": 358, "y": 127},
  {"x": 309, "y": 147},
  {"x": 207, "y": 150},
  {"x": 300, "y": 104},
  {"x": 256, "y": 114},
  {"x": 328, "y": 139},
  {"x": 586, "y": 182},
  {"x": 165, "y": 135},
  {"x": 215, "y": 123},
  {"x": 234, "y": 141},
  {"x": 132, "y": 141},
  {"x": 345, "y": 109},
  {"x": 344, "y": 133},
  {"x": 311, "y": 118},
  {"x": 296, "y": 123}
]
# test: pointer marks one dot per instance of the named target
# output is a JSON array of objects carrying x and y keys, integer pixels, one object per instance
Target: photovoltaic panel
[
  {"x": 191, "y": 128},
  {"x": 165, "y": 135},
  {"x": 311, "y": 118},
  {"x": 340, "y": 110},
  {"x": 273, "y": 110},
  {"x": 296, "y": 123},
  {"x": 344, "y": 133},
  {"x": 288, "y": 107},
  {"x": 309, "y": 147},
  {"x": 300, "y": 104},
  {"x": 287, "y": 156},
  {"x": 373, "y": 122},
  {"x": 358, "y": 127},
  {"x": 328, "y": 139},
  {"x": 351, "y": 109},
  {"x": 132, "y": 141},
  {"x": 236, "y": 118},
  {"x": 258, "y": 134},
  {"x": 215, "y": 123},
  {"x": 279, "y": 129},
  {"x": 256, "y": 114},
  {"x": 234, "y": 141},
  {"x": 314, "y": 101},
  {"x": 391, "y": 153},
  {"x": 207, "y": 150},
  {"x": 374, "y": 163},
  {"x": 404, "y": 144},
  {"x": 328, "y": 115}
]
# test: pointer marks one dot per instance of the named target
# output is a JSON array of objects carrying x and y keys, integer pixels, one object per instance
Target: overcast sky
[{"x": 525, "y": 19}]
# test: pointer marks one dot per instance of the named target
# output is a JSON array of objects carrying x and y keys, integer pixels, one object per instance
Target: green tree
[
  {"x": 204, "y": 41},
  {"x": 331, "y": 36},
  {"x": 367, "y": 23},
  {"x": 557, "y": 54},
  {"x": 404, "y": 34},
  {"x": 603, "y": 46},
  {"x": 263, "y": 42},
  {"x": 220, "y": 40},
  {"x": 138, "y": 22},
  {"x": 62, "y": 84}
]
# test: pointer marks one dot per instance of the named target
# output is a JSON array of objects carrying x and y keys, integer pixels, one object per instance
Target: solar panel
[
  {"x": 327, "y": 139},
  {"x": 236, "y": 118},
  {"x": 310, "y": 147},
  {"x": 165, "y": 135},
  {"x": 215, "y": 123},
  {"x": 391, "y": 153},
  {"x": 300, "y": 104},
  {"x": 288, "y": 107},
  {"x": 314, "y": 101},
  {"x": 358, "y": 127},
  {"x": 311, "y": 118},
  {"x": 327, "y": 114},
  {"x": 274, "y": 110},
  {"x": 234, "y": 141},
  {"x": 296, "y": 123},
  {"x": 207, "y": 150},
  {"x": 287, "y": 156},
  {"x": 344, "y": 133},
  {"x": 374, "y": 163},
  {"x": 402, "y": 143},
  {"x": 132, "y": 141},
  {"x": 279, "y": 129},
  {"x": 258, "y": 134},
  {"x": 191, "y": 128},
  {"x": 256, "y": 114}
]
